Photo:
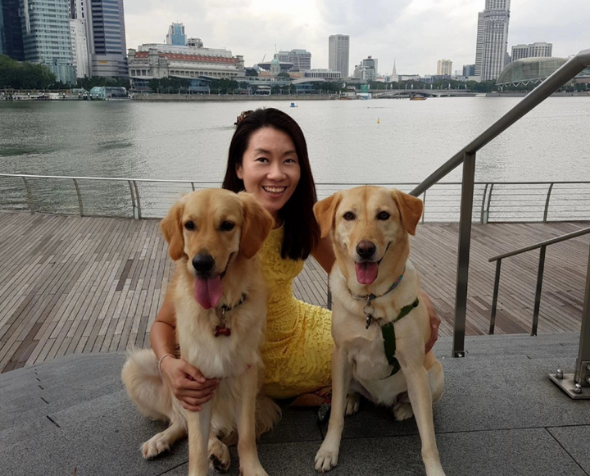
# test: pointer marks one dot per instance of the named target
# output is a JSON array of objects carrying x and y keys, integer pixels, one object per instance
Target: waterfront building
[
  {"x": 444, "y": 67},
  {"x": 11, "y": 34},
  {"x": 301, "y": 59},
  {"x": 46, "y": 37},
  {"x": 176, "y": 35},
  {"x": 492, "y": 39},
  {"x": 534, "y": 50},
  {"x": 80, "y": 56},
  {"x": 106, "y": 38},
  {"x": 469, "y": 70},
  {"x": 326, "y": 74},
  {"x": 338, "y": 53},
  {"x": 366, "y": 70},
  {"x": 529, "y": 70},
  {"x": 155, "y": 61}
]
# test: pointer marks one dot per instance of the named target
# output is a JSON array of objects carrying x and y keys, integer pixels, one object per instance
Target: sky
[{"x": 414, "y": 33}]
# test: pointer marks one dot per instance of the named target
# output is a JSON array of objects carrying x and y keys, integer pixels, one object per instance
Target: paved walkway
[
  {"x": 500, "y": 415},
  {"x": 71, "y": 285}
]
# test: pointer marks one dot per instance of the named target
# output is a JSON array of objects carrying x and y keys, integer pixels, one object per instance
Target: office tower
[
  {"x": 444, "y": 67},
  {"x": 46, "y": 36},
  {"x": 176, "y": 35},
  {"x": 520, "y": 52},
  {"x": 11, "y": 34},
  {"x": 339, "y": 48},
  {"x": 492, "y": 39},
  {"x": 301, "y": 59},
  {"x": 534, "y": 50},
  {"x": 468, "y": 70},
  {"x": 80, "y": 56},
  {"x": 106, "y": 38}
]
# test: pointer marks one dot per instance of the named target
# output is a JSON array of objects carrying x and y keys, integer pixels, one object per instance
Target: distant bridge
[{"x": 406, "y": 93}]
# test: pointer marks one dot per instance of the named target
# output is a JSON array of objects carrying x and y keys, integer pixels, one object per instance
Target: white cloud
[{"x": 414, "y": 32}]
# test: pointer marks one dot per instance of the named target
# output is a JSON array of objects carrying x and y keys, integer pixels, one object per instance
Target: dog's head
[
  {"x": 210, "y": 229},
  {"x": 369, "y": 227}
]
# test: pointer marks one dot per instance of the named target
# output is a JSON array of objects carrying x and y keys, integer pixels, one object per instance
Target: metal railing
[
  {"x": 466, "y": 156},
  {"x": 149, "y": 198},
  {"x": 540, "y": 271}
]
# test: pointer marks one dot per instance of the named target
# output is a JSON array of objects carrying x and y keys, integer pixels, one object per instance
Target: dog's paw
[
  {"x": 253, "y": 470},
  {"x": 403, "y": 411},
  {"x": 154, "y": 446},
  {"x": 219, "y": 458},
  {"x": 326, "y": 459},
  {"x": 352, "y": 404}
]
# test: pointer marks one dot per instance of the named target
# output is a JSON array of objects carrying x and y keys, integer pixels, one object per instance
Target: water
[{"x": 349, "y": 141}]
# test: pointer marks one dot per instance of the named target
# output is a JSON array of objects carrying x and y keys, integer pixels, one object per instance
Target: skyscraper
[
  {"x": 492, "y": 39},
  {"x": 176, "y": 35},
  {"x": 11, "y": 34},
  {"x": 339, "y": 48},
  {"x": 46, "y": 36},
  {"x": 106, "y": 38}
]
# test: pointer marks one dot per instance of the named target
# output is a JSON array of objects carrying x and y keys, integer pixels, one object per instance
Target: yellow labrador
[
  {"x": 219, "y": 298},
  {"x": 379, "y": 325}
]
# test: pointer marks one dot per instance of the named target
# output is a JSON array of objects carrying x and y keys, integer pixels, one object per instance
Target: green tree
[
  {"x": 284, "y": 75},
  {"x": 25, "y": 75}
]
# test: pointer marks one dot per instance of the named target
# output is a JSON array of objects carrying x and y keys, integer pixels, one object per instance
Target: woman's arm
[{"x": 324, "y": 254}]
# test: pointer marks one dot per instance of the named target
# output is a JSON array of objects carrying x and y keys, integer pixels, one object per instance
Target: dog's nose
[
  {"x": 203, "y": 262},
  {"x": 366, "y": 249}
]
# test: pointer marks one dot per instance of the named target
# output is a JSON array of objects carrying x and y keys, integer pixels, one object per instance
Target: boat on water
[
  {"x": 418, "y": 98},
  {"x": 241, "y": 117}
]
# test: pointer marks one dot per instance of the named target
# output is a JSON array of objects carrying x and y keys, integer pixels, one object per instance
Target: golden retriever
[
  {"x": 220, "y": 303},
  {"x": 379, "y": 325}
]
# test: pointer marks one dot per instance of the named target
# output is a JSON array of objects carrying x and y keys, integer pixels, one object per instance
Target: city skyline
[{"x": 425, "y": 30}]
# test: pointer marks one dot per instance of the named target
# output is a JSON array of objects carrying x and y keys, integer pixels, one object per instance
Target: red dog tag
[{"x": 221, "y": 330}]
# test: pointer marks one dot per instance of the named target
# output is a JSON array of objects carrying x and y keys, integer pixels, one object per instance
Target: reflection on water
[{"x": 349, "y": 141}]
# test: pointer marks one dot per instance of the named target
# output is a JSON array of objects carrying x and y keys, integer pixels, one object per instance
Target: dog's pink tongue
[
  {"x": 208, "y": 291},
  {"x": 366, "y": 273}
]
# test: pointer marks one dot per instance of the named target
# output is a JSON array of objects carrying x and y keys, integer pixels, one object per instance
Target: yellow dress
[{"x": 297, "y": 352}]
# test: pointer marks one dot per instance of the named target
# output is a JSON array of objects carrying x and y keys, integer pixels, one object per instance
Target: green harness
[{"x": 388, "y": 332}]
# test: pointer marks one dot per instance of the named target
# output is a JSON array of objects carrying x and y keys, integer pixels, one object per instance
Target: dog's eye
[
  {"x": 383, "y": 216},
  {"x": 348, "y": 216},
  {"x": 227, "y": 226},
  {"x": 190, "y": 225}
]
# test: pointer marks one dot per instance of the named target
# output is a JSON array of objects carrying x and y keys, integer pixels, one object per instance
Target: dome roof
[
  {"x": 530, "y": 69},
  {"x": 275, "y": 61}
]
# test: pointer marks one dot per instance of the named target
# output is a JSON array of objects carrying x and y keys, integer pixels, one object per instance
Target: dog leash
[{"x": 222, "y": 328}]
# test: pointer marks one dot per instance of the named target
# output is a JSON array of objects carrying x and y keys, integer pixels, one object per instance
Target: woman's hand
[
  {"x": 434, "y": 321},
  {"x": 188, "y": 384}
]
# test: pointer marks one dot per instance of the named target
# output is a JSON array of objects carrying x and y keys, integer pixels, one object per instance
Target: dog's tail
[{"x": 268, "y": 414}]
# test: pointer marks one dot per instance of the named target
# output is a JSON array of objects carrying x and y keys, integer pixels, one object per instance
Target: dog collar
[
  {"x": 368, "y": 309},
  {"x": 222, "y": 328}
]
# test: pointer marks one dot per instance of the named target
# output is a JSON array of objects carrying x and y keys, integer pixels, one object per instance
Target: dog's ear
[
  {"x": 171, "y": 227},
  {"x": 410, "y": 209},
  {"x": 257, "y": 225},
  {"x": 324, "y": 211}
]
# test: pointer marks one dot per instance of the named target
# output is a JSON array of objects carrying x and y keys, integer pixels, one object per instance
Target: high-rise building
[
  {"x": 468, "y": 70},
  {"x": 106, "y": 38},
  {"x": 492, "y": 39},
  {"x": 444, "y": 67},
  {"x": 301, "y": 59},
  {"x": 11, "y": 34},
  {"x": 46, "y": 37},
  {"x": 80, "y": 56},
  {"x": 534, "y": 50},
  {"x": 339, "y": 49},
  {"x": 176, "y": 35},
  {"x": 367, "y": 70}
]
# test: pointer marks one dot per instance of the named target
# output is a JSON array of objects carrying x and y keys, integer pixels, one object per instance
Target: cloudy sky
[{"x": 416, "y": 33}]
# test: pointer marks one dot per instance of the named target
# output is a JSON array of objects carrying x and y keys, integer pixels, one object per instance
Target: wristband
[{"x": 160, "y": 363}]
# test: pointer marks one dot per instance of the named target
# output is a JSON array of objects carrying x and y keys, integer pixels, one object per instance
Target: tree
[
  {"x": 25, "y": 75},
  {"x": 283, "y": 74},
  {"x": 251, "y": 72}
]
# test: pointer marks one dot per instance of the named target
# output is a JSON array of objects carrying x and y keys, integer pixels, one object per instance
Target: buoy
[{"x": 378, "y": 121}]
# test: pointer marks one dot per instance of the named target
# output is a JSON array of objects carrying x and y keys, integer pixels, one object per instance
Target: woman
[{"x": 268, "y": 158}]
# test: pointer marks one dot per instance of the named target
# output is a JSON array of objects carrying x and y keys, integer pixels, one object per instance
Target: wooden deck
[{"x": 77, "y": 285}]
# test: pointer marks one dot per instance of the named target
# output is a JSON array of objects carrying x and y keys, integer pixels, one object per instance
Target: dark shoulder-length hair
[{"x": 301, "y": 231}]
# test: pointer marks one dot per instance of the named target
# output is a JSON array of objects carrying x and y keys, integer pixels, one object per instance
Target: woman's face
[{"x": 270, "y": 168}]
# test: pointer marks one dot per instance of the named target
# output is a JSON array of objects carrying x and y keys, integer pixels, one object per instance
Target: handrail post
[
  {"x": 539, "y": 289},
  {"x": 29, "y": 195},
  {"x": 463, "y": 254},
  {"x": 79, "y": 197},
  {"x": 547, "y": 202},
  {"x": 577, "y": 385},
  {"x": 495, "y": 298},
  {"x": 483, "y": 202},
  {"x": 132, "y": 193},
  {"x": 137, "y": 199},
  {"x": 424, "y": 206}
]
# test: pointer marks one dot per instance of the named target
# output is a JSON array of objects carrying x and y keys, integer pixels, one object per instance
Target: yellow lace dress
[{"x": 297, "y": 352}]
